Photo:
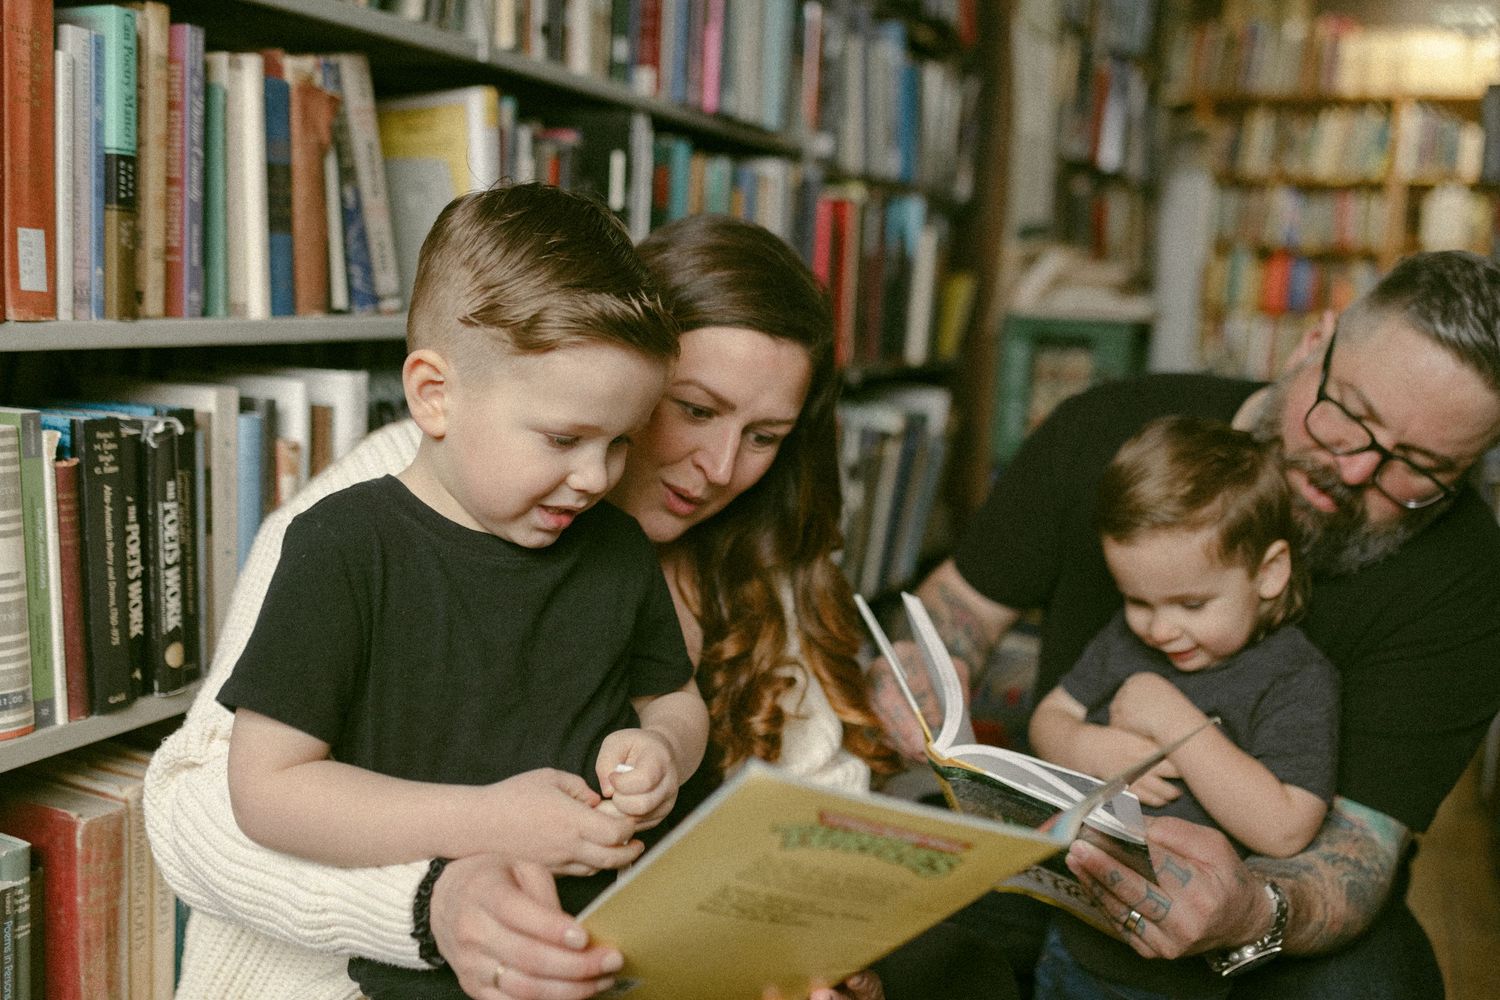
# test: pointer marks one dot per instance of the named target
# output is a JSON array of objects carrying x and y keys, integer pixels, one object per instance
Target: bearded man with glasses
[{"x": 1379, "y": 418}]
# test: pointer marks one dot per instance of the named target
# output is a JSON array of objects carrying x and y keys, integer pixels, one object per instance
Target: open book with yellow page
[{"x": 777, "y": 882}]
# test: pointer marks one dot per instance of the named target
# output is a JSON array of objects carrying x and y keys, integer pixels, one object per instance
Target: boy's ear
[
  {"x": 425, "y": 376},
  {"x": 1275, "y": 571}
]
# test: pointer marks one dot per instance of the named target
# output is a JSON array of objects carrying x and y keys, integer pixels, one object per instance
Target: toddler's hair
[
  {"x": 1189, "y": 473},
  {"x": 527, "y": 268}
]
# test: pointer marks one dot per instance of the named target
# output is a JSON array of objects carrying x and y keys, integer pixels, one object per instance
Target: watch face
[{"x": 1235, "y": 968}]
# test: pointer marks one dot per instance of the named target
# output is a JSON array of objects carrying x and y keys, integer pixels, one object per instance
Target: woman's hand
[{"x": 499, "y": 925}]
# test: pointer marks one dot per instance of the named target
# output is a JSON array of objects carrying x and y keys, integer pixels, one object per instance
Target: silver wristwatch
[{"x": 1233, "y": 961}]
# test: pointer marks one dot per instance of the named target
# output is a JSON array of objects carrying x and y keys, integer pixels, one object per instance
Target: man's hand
[
  {"x": 499, "y": 925},
  {"x": 1205, "y": 897},
  {"x": 901, "y": 727},
  {"x": 863, "y": 985}
]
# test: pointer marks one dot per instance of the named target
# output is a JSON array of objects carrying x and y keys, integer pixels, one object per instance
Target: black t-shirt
[
  {"x": 1415, "y": 638},
  {"x": 425, "y": 650}
]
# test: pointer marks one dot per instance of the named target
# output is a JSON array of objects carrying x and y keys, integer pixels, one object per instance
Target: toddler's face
[
  {"x": 534, "y": 443},
  {"x": 1182, "y": 599}
]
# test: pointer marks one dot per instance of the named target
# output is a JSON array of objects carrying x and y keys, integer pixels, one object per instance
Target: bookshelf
[
  {"x": 935, "y": 41},
  {"x": 1336, "y": 149}
]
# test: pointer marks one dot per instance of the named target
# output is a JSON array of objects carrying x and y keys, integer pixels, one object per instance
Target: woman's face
[{"x": 733, "y": 397}]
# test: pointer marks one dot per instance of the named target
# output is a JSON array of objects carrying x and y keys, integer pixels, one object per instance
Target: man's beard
[{"x": 1343, "y": 541}]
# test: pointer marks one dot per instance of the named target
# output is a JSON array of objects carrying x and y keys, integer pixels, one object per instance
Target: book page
[{"x": 778, "y": 882}]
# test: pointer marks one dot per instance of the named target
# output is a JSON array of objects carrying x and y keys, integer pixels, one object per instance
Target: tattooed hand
[{"x": 891, "y": 705}]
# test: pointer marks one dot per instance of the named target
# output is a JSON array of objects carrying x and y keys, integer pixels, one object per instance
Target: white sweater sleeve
[{"x": 197, "y": 844}]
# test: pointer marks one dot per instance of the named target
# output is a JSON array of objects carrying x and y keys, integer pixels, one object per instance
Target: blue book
[
  {"x": 215, "y": 252},
  {"x": 908, "y": 115},
  {"x": 279, "y": 192},
  {"x": 677, "y": 74},
  {"x": 361, "y": 271},
  {"x": 778, "y": 27},
  {"x": 250, "y": 474}
]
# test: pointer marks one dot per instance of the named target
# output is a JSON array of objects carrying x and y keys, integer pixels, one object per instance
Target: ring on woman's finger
[
  {"x": 1132, "y": 924},
  {"x": 499, "y": 971}
]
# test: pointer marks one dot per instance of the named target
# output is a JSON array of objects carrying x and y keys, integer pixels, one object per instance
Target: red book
[
  {"x": 27, "y": 198},
  {"x": 1275, "y": 281},
  {"x": 645, "y": 77},
  {"x": 80, "y": 840},
  {"x": 70, "y": 551},
  {"x": 313, "y": 110}
]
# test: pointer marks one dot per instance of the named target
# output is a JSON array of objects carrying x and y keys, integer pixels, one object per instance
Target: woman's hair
[
  {"x": 715, "y": 270},
  {"x": 1188, "y": 473},
  {"x": 527, "y": 268}
]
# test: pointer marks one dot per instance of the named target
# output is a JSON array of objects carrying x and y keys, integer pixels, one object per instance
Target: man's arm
[
  {"x": 970, "y": 624},
  {"x": 1207, "y": 899}
]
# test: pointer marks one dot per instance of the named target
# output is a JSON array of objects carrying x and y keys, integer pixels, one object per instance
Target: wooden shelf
[
  {"x": 49, "y": 742},
  {"x": 1454, "y": 102},
  {"x": 88, "y": 335}
]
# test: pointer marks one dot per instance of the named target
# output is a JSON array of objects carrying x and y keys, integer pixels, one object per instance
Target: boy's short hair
[
  {"x": 528, "y": 268},
  {"x": 1190, "y": 473}
]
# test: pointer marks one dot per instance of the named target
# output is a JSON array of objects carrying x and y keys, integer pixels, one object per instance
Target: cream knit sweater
[{"x": 266, "y": 925}]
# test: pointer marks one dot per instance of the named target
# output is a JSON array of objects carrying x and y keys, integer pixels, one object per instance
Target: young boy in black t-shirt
[{"x": 475, "y": 656}]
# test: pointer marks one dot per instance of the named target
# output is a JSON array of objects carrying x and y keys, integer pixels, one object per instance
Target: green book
[
  {"x": 117, "y": 26},
  {"x": 15, "y": 910},
  {"x": 215, "y": 96},
  {"x": 28, "y": 425}
]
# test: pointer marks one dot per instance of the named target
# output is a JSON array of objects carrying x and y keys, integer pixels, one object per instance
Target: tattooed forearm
[
  {"x": 969, "y": 632},
  {"x": 1338, "y": 885}
]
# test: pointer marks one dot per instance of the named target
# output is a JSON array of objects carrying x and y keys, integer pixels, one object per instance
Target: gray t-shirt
[{"x": 1278, "y": 700}]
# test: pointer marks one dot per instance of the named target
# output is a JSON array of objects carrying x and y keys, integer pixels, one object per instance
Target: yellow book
[{"x": 775, "y": 881}]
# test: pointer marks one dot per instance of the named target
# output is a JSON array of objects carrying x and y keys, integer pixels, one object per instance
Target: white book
[
  {"x": 78, "y": 42},
  {"x": 338, "y": 268},
  {"x": 437, "y": 146},
  {"x": 293, "y": 423},
  {"x": 344, "y": 391},
  {"x": 216, "y": 408},
  {"x": 50, "y": 442},
  {"x": 917, "y": 348},
  {"x": 578, "y": 35},
  {"x": 62, "y": 144},
  {"x": 246, "y": 210},
  {"x": 369, "y": 172}
]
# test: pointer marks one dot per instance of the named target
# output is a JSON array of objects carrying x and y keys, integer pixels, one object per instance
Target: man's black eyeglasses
[{"x": 1340, "y": 432}]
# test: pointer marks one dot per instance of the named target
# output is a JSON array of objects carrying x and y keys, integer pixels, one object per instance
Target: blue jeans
[{"x": 1060, "y": 977}]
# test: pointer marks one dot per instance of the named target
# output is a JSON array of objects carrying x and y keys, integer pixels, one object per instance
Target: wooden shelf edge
[
  {"x": 82, "y": 335},
  {"x": 56, "y": 740}
]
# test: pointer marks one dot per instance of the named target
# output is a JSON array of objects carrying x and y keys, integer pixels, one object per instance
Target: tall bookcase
[
  {"x": 410, "y": 56},
  {"x": 1336, "y": 150}
]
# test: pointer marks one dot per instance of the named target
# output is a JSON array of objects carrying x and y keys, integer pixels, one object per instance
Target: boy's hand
[
  {"x": 1113, "y": 749},
  {"x": 1152, "y": 706},
  {"x": 548, "y": 816},
  {"x": 638, "y": 776}
]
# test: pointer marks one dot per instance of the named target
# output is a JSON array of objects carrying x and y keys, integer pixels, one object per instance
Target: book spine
[
  {"x": 117, "y": 26},
  {"x": 31, "y": 465},
  {"x": 620, "y": 44},
  {"x": 369, "y": 165},
  {"x": 279, "y": 194},
  {"x": 175, "y": 303},
  {"x": 16, "y": 714},
  {"x": 54, "y": 576},
  {"x": 193, "y": 112},
  {"x": 713, "y": 56},
  {"x": 96, "y": 179},
  {"x": 311, "y": 119},
  {"x": 27, "y": 182},
  {"x": 215, "y": 266},
  {"x": 70, "y": 572},
  {"x": 357, "y": 264},
  {"x": 102, "y": 525},
  {"x": 135, "y": 553},
  {"x": 251, "y": 430},
  {"x": 62, "y": 181},
  {"x": 152, "y": 43},
  {"x": 644, "y": 76},
  {"x": 247, "y": 212},
  {"x": 192, "y": 544},
  {"x": 79, "y": 44}
]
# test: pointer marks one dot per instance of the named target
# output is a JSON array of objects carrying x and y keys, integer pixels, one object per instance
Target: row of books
[
  {"x": 1332, "y": 54},
  {"x": 1107, "y": 218},
  {"x": 85, "y": 911},
  {"x": 893, "y": 444},
  {"x": 1103, "y": 118},
  {"x": 147, "y": 177},
  {"x": 834, "y": 72},
  {"x": 1252, "y": 345},
  {"x": 1311, "y": 222},
  {"x": 1243, "y": 280},
  {"x": 129, "y": 509},
  {"x": 1332, "y": 145},
  {"x": 1123, "y": 28}
]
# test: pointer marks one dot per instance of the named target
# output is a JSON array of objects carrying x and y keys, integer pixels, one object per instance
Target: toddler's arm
[
  {"x": 658, "y": 757},
  {"x": 287, "y": 795},
  {"x": 1059, "y": 734},
  {"x": 1268, "y": 816}
]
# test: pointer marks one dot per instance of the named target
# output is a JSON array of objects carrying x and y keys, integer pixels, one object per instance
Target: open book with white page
[{"x": 1015, "y": 787}]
